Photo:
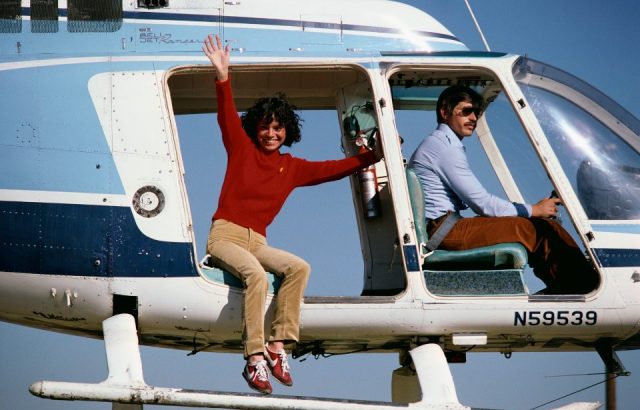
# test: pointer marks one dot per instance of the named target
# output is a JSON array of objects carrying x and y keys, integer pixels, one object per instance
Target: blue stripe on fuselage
[
  {"x": 104, "y": 241},
  {"x": 276, "y": 23},
  {"x": 171, "y": 32},
  {"x": 618, "y": 258},
  {"x": 85, "y": 240},
  {"x": 150, "y": 15}
]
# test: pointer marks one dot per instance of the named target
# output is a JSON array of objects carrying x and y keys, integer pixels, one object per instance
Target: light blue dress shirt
[{"x": 440, "y": 163}]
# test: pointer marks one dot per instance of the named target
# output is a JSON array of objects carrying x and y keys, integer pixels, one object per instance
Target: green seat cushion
[
  {"x": 222, "y": 276},
  {"x": 500, "y": 256}
]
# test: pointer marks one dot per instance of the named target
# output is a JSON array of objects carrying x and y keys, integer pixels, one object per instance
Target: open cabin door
[
  {"x": 504, "y": 156},
  {"x": 332, "y": 217}
]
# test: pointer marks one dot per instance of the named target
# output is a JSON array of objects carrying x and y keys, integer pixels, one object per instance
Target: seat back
[
  {"x": 500, "y": 256},
  {"x": 416, "y": 197},
  {"x": 486, "y": 271}
]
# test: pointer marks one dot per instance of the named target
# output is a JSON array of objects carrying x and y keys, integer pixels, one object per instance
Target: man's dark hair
[
  {"x": 272, "y": 108},
  {"x": 453, "y": 95}
]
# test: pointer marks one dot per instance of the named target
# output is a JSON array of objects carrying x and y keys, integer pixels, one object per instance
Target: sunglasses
[{"x": 466, "y": 111}]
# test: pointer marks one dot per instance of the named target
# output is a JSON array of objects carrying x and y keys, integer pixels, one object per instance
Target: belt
[
  {"x": 438, "y": 219},
  {"x": 442, "y": 224}
]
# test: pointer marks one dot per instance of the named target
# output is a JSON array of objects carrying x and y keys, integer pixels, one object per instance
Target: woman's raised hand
[{"x": 218, "y": 56}]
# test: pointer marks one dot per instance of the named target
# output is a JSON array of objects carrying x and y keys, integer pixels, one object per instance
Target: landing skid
[{"x": 126, "y": 389}]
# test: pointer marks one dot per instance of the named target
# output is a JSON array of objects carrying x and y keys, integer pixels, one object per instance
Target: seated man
[{"x": 449, "y": 186}]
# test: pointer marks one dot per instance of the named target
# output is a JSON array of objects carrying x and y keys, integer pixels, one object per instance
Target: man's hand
[
  {"x": 218, "y": 56},
  {"x": 546, "y": 208}
]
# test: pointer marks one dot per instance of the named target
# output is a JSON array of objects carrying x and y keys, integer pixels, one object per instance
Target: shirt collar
[{"x": 450, "y": 135}]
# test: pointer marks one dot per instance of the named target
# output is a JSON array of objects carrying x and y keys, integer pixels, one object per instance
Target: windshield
[{"x": 595, "y": 139}]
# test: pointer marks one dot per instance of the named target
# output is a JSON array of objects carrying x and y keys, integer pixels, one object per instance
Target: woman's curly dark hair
[{"x": 269, "y": 109}]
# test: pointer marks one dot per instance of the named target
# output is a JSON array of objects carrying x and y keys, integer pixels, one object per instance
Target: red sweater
[{"x": 256, "y": 184}]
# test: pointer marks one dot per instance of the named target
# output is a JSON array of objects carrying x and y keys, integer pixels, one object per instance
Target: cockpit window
[
  {"x": 10, "y": 16},
  {"x": 44, "y": 16},
  {"x": 94, "y": 16},
  {"x": 597, "y": 148}
]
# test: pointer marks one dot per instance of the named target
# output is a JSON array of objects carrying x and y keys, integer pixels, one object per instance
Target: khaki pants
[
  {"x": 553, "y": 254},
  {"x": 245, "y": 253}
]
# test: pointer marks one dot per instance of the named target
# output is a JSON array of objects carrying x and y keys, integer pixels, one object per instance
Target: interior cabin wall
[{"x": 384, "y": 270}]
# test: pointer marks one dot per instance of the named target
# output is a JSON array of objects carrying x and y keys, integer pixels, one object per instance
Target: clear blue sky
[{"x": 597, "y": 41}]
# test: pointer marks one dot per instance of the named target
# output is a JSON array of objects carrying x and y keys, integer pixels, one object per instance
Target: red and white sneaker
[
  {"x": 257, "y": 376},
  {"x": 279, "y": 366}
]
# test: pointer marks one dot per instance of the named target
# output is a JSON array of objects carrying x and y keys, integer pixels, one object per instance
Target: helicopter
[{"x": 395, "y": 286}]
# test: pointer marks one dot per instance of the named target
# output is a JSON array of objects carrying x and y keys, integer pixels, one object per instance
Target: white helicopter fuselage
[{"x": 96, "y": 219}]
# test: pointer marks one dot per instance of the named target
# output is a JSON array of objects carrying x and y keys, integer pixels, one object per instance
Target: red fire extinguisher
[{"x": 368, "y": 182}]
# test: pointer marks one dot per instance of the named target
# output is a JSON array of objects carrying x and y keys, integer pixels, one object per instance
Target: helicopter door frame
[
  {"x": 388, "y": 69},
  {"x": 245, "y": 66},
  {"x": 397, "y": 182},
  {"x": 501, "y": 70}
]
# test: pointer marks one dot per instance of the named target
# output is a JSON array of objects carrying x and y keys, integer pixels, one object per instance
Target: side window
[
  {"x": 44, "y": 16},
  {"x": 94, "y": 16},
  {"x": 10, "y": 16},
  {"x": 604, "y": 170},
  {"x": 594, "y": 138}
]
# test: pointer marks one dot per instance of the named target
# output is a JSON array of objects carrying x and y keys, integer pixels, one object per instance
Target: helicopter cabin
[{"x": 347, "y": 103}]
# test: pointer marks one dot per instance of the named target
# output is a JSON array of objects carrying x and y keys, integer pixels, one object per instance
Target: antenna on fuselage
[{"x": 473, "y": 16}]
